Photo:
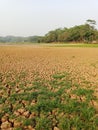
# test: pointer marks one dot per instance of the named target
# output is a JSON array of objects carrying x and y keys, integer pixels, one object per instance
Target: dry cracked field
[{"x": 48, "y": 88}]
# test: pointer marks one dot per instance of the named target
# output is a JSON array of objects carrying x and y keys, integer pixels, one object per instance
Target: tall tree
[{"x": 92, "y": 23}]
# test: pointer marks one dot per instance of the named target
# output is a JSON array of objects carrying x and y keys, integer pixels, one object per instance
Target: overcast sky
[{"x": 37, "y": 17}]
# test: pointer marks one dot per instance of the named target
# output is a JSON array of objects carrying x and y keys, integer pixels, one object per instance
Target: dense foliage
[
  {"x": 85, "y": 33},
  {"x": 81, "y": 33}
]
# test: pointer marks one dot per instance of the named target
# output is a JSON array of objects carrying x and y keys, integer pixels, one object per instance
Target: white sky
[{"x": 37, "y": 17}]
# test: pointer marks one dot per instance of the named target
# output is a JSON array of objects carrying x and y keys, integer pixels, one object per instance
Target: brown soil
[{"x": 81, "y": 63}]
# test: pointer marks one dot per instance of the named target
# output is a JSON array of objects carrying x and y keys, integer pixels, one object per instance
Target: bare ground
[{"x": 81, "y": 63}]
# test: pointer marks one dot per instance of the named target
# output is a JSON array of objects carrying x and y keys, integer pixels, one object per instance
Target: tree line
[
  {"x": 82, "y": 33},
  {"x": 85, "y": 33},
  {"x": 16, "y": 39}
]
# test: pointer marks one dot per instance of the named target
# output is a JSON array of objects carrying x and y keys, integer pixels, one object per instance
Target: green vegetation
[
  {"x": 85, "y": 33},
  {"x": 45, "y": 105},
  {"x": 79, "y": 45}
]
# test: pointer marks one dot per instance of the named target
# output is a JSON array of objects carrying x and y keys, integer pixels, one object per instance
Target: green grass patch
[{"x": 52, "y": 104}]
